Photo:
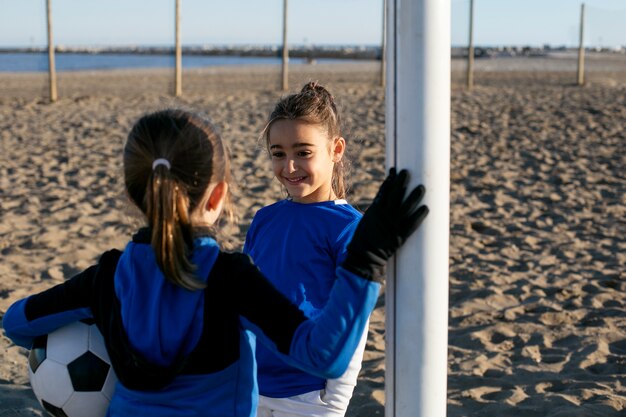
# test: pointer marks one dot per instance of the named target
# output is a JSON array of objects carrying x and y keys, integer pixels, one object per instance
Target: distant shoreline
[
  {"x": 312, "y": 52},
  {"x": 352, "y": 52},
  {"x": 76, "y": 61}
]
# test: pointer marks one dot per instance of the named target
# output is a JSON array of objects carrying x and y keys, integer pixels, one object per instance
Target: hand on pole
[{"x": 385, "y": 226}]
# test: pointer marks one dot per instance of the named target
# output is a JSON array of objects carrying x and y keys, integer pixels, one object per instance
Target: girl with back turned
[{"x": 179, "y": 316}]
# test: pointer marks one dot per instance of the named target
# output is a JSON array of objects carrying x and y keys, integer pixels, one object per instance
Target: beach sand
[{"x": 537, "y": 317}]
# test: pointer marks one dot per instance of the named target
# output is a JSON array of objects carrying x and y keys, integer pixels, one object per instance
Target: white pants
[{"x": 330, "y": 402}]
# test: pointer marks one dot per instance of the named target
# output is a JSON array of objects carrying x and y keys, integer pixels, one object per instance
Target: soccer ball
[{"x": 70, "y": 371}]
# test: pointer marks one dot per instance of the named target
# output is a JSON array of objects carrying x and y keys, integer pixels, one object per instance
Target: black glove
[{"x": 385, "y": 226}]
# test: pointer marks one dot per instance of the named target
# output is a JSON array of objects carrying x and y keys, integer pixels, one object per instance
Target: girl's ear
[
  {"x": 207, "y": 213},
  {"x": 338, "y": 148},
  {"x": 217, "y": 197}
]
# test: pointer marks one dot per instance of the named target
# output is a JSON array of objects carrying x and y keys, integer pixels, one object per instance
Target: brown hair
[
  {"x": 167, "y": 196},
  {"x": 315, "y": 105}
]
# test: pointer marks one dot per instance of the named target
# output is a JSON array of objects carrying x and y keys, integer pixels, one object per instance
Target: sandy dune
[{"x": 537, "y": 323}]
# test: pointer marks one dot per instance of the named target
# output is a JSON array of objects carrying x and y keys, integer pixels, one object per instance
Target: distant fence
[
  {"x": 599, "y": 56},
  {"x": 178, "y": 91},
  {"x": 602, "y": 21}
]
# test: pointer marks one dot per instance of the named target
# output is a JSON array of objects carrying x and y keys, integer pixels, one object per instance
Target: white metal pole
[
  {"x": 581, "y": 48},
  {"x": 285, "y": 67},
  {"x": 383, "y": 44},
  {"x": 418, "y": 138},
  {"x": 178, "y": 81},
  {"x": 52, "y": 75},
  {"x": 470, "y": 48}
]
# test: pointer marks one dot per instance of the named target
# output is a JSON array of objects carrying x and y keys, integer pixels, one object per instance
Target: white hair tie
[{"x": 161, "y": 161}]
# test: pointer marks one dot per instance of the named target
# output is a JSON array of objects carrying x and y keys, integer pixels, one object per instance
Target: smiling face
[{"x": 303, "y": 159}]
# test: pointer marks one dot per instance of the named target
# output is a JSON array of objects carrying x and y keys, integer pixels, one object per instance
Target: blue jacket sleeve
[
  {"x": 322, "y": 346},
  {"x": 45, "y": 312},
  {"x": 325, "y": 346}
]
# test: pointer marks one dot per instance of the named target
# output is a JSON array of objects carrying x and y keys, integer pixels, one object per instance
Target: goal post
[{"x": 418, "y": 139}]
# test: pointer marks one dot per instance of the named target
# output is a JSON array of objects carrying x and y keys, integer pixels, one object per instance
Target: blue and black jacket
[
  {"x": 298, "y": 248},
  {"x": 179, "y": 352}
]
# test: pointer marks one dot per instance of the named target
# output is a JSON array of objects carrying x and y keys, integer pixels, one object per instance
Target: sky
[{"x": 311, "y": 22}]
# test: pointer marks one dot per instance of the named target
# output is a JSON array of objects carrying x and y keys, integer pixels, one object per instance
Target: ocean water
[{"x": 38, "y": 62}]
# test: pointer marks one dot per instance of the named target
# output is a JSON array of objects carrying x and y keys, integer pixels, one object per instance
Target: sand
[{"x": 537, "y": 322}]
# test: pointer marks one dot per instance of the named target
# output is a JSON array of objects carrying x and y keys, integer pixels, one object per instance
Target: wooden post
[
  {"x": 470, "y": 50},
  {"x": 581, "y": 47},
  {"x": 285, "y": 49},
  {"x": 52, "y": 76},
  {"x": 383, "y": 52},
  {"x": 417, "y": 125},
  {"x": 179, "y": 60}
]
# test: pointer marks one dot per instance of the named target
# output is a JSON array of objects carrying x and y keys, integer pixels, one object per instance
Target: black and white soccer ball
[{"x": 70, "y": 371}]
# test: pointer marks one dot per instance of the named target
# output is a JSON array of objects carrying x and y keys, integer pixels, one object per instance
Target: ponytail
[
  {"x": 340, "y": 173},
  {"x": 167, "y": 209},
  {"x": 170, "y": 159}
]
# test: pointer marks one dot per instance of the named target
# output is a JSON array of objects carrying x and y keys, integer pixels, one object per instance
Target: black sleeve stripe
[
  {"x": 73, "y": 294},
  {"x": 261, "y": 303}
]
